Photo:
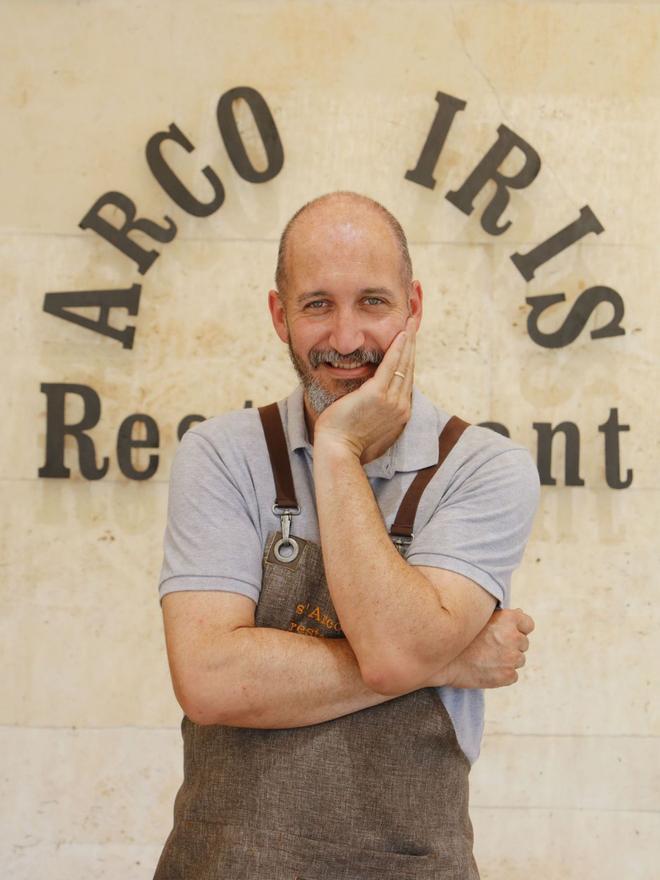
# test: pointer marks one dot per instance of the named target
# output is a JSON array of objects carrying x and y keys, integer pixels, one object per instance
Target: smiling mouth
[{"x": 349, "y": 371}]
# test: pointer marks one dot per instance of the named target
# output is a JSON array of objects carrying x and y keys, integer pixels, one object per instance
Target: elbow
[
  {"x": 197, "y": 710},
  {"x": 200, "y": 714},
  {"x": 198, "y": 705},
  {"x": 392, "y": 679},
  {"x": 385, "y": 685},
  {"x": 206, "y": 701},
  {"x": 404, "y": 672},
  {"x": 415, "y": 660},
  {"x": 211, "y": 690}
]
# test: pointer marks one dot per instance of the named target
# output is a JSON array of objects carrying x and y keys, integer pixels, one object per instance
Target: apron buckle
[
  {"x": 286, "y": 549},
  {"x": 402, "y": 542}
]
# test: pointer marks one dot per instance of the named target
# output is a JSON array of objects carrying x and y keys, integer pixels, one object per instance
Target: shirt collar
[{"x": 415, "y": 448}]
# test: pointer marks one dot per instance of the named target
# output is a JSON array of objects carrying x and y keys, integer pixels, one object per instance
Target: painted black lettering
[
  {"x": 57, "y": 429},
  {"x": 58, "y": 304},
  {"x": 267, "y": 130},
  {"x": 172, "y": 184},
  {"x": 545, "y": 433},
  {"x": 528, "y": 263},
  {"x": 488, "y": 170},
  {"x": 126, "y": 443},
  {"x": 497, "y": 427},
  {"x": 611, "y": 429},
  {"x": 117, "y": 236},
  {"x": 422, "y": 173},
  {"x": 187, "y": 422},
  {"x": 577, "y": 317}
]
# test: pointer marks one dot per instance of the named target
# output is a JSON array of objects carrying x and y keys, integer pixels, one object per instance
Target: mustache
[{"x": 318, "y": 356}]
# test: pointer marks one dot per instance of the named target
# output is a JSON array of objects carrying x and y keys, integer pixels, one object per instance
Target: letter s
[{"x": 577, "y": 317}]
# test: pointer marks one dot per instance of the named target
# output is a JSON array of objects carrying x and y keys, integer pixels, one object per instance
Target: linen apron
[{"x": 379, "y": 794}]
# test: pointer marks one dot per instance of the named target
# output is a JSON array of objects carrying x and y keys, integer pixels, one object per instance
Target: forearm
[
  {"x": 390, "y": 612},
  {"x": 271, "y": 678}
]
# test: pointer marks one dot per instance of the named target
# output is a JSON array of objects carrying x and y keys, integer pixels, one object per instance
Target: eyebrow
[{"x": 366, "y": 291}]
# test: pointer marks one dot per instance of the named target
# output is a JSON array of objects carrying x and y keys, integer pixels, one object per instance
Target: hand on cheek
[{"x": 366, "y": 422}]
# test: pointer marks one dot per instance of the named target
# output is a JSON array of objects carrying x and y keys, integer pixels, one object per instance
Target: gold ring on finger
[{"x": 399, "y": 374}]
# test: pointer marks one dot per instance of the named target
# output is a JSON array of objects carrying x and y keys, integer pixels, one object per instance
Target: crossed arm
[
  {"x": 225, "y": 670},
  {"x": 407, "y": 627},
  {"x": 404, "y": 622}
]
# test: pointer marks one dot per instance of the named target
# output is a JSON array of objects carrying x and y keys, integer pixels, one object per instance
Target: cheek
[
  {"x": 302, "y": 343},
  {"x": 386, "y": 334},
  {"x": 303, "y": 338}
]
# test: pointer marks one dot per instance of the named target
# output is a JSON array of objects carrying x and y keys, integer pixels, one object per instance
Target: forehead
[{"x": 342, "y": 242}]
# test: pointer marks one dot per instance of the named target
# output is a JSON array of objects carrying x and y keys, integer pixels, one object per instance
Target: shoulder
[
  {"x": 238, "y": 429},
  {"x": 481, "y": 444},
  {"x": 495, "y": 463},
  {"x": 230, "y": 443},
  {"x": 484, "y": 459}
]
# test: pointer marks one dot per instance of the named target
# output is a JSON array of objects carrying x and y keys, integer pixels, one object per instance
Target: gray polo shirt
[{"x": 474, "y": 517}]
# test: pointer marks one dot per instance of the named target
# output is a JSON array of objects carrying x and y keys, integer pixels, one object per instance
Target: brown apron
[{"x": 379, "y": 794}]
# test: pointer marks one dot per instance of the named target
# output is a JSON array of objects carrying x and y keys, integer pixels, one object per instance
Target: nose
[{"x": 346, "y": 334}]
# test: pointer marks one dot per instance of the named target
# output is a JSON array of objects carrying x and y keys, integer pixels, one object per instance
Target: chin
[{"x": 320, "y": 397}]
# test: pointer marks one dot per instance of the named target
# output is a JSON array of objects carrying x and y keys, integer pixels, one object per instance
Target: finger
[
  {"x": 385, "y": 372},
  {"x": 525, "y": 623},
  {"x": 409, "y": 368},
  {"x": 521, "y": 660},
  {"x": 523, "y": 643},
  {"x": 402, "y": 376}
]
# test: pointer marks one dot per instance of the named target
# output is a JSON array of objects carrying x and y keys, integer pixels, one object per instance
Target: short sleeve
[
  {"x": 481, "y": 526},
  {"x": 212, "y": 540}
]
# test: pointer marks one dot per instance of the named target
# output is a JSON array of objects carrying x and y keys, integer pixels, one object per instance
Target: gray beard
[{"x": 318, "y": 397}]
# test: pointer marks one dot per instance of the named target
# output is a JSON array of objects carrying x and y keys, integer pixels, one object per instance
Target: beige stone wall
[{"x": 567, "y": 785}]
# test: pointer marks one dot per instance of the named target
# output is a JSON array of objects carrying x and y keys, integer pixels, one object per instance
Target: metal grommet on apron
[{"x": 377, "y": 794}]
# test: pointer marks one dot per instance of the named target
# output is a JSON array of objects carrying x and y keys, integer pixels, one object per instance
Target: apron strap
[
  {"x": 285, "y": 495},
  {"x": 402, "y": 527},
  {"x": 404, "y": 521}
]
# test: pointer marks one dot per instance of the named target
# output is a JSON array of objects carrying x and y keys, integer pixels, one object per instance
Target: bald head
[{"x": 339, "y": 210}]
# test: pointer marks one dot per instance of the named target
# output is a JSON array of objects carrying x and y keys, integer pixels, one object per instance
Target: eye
[
  {"x": 315, "y": 304},
  {"x": 373, "y": 300}
]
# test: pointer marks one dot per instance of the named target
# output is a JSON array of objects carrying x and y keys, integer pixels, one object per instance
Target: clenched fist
[{"x": 495, "y": 655}]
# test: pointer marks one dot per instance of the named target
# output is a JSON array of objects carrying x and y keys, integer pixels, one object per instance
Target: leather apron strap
[
  {"x": 404, "y": 521},
  {"x": 401, "y": 531},
  {"x": 287, "y": 548},
  {"x": 285, "y": 494}
]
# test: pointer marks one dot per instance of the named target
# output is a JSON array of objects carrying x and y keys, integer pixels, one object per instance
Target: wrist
[
  {"x": 333, "y": 447},
  {"x": 444, "y": 677}
]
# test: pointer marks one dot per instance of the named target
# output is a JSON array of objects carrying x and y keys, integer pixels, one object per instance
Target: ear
[
  {"x": 278, "y": 314},
  {"x": 415, "y": 303}
]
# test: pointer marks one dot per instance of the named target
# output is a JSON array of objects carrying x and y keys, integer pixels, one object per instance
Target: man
[{"x": 329, "y": 592}]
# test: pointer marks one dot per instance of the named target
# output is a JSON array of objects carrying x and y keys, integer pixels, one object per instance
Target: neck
[{"x": 310, "y": 419}]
